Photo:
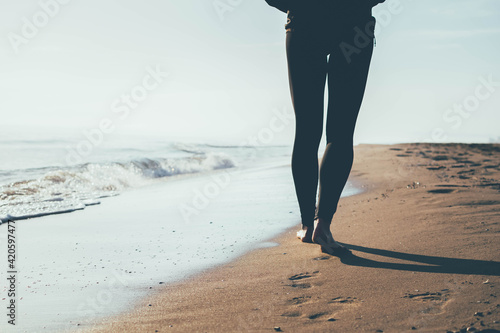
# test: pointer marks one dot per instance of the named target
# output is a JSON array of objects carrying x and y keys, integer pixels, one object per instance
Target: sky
[{"x": 216, "y": 70}]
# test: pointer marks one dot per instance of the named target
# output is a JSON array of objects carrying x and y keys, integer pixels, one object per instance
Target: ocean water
[
  {"x": 75, "y": 269},
  {"x": 52, "y": 174}
]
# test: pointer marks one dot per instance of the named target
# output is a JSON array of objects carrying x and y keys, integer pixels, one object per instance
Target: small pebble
[
  {"x": 332, "y": 319},
  {"x": 479, "y": 314},
  {"x": 278, "y": 329},
  {"x": 471, "y": 329}
]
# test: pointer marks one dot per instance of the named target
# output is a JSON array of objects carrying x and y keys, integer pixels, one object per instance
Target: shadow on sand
[{"x": 433, "y": 264}]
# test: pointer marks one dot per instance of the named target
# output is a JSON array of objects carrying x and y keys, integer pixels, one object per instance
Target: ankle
[
  {"x": 307, "y": 227},
  {"x": 321, "y": 221}
]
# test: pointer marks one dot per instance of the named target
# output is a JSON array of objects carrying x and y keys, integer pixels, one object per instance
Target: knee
[
  {"x": 341, "y": 145},
  {"x": 308, "y": 140},
  {"x": 342, "y": 137}
]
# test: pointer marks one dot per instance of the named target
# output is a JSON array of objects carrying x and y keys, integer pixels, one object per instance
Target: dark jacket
[
  {"x": 317, "y": 15},
  {"x": 286, "y": 5}
]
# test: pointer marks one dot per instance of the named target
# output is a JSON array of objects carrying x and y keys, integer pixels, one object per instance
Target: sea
[
  {"x": 67, "y": 265},
  {"x": 52, "y": 174}
]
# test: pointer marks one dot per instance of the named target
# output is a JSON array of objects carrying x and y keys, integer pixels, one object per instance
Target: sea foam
[{"x": 66, "y": 189}]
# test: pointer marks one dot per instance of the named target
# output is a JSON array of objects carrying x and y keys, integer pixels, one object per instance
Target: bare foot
[
  {"x": 305, "y": 234},
  {"x": 323, "y": 236}
]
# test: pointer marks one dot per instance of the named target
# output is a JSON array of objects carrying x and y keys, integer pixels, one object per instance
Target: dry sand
[{"x": 425, "y": 257}]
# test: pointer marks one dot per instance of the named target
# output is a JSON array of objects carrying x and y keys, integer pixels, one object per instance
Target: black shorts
[{"x": 347, "y": 34}]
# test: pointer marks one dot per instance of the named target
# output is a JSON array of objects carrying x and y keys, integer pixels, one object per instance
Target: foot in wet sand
[
  {"x": 305, "y": 234},
  {"x": 323, "y": 236}
]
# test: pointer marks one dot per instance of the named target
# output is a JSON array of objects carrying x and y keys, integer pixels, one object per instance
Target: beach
[
  {"x": 72, "y": 269},
  {"x": 152, "y": 155},
  {"x": 216, "y": 251},
  {"x": 425, "y": 257}
]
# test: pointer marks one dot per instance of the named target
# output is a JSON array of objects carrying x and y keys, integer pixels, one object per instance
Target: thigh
[
  {"x": 307, "y": 69},
  {"x": 348, "y": 68}
]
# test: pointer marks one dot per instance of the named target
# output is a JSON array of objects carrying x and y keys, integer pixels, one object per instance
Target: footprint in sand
[
  {"x": 436, "y": 167},
  {"x": 300, "y": 277},
  {"x": 304, "y": 302},
  {"x": 496, "y": 166},
  {"x": 300, "y": 285},
  {"x": 436, "y": 300},
  {"x": 291, "y": 314},
  {"x": 317, "y": 315},
  {"x": 294, "y": 314},
  {"x": 440, "y": 158},
  {"x": 489, "y": 183},
  {"x": 442, "y": 191},
  {"x": 427, "y": 296},
  {"x": 342, "y": 303},
  {"x": 343, "y": 300},
  {"x": 298, "y": 300}
]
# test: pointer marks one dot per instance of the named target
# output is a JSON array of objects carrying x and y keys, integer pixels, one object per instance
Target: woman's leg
[
  {"x": 347, "y": 78},
  {"x": 307, "y": 67}
]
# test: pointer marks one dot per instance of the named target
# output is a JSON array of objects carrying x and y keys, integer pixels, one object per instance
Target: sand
[
  {"x": 425, "y": 257},
  {"x": 74, "y": 269}
]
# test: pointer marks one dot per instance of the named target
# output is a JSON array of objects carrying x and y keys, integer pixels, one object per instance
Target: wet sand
[{"x": 425, "y": 257}]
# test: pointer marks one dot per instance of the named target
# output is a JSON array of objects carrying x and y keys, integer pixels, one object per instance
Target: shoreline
[
  {"x": 424, "y": 258},
  {"x": 75, "y": 269}
]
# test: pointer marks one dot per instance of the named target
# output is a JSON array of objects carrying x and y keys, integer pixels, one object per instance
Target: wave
[{"x": 66, "y": 189}]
